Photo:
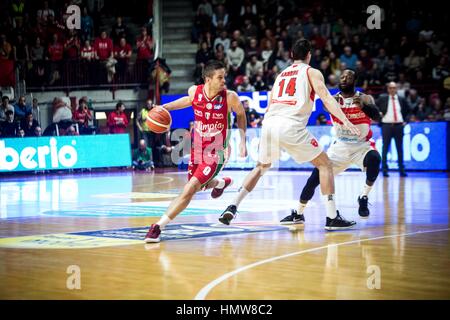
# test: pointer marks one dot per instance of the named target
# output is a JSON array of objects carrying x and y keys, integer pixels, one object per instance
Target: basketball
[{"x": 159, "y": 120}]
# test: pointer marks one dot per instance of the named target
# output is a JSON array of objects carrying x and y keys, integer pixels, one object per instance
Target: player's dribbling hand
[{"x": 353, "y": 129}]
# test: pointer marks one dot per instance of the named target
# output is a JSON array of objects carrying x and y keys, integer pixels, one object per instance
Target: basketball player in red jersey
[
  {"x": 284, "y": 126},
  {"x": 348, "y": 149},
  {"x": 212, "y": 104}
]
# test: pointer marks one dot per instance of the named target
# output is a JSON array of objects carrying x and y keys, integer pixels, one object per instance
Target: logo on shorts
[{"x": 314, "y": 143}]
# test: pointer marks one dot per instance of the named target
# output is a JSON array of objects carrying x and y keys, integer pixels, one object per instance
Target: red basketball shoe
[
  {"x": 153, "y": 234},
  {"x": 215, "y": 193}
]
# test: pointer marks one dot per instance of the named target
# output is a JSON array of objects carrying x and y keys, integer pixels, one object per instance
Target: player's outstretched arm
[
  {"x": 318, "y": 84},
  {"x": 241, "y": 119},
  {"x": 183, "y": 102}
]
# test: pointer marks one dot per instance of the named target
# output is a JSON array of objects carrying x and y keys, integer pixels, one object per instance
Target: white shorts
[
  {"x": 343, "y": 155},
  {"x": 280, "y": 133}
]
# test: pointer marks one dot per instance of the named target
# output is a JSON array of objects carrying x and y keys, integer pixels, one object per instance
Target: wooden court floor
[{"x": 80, "y": 237}]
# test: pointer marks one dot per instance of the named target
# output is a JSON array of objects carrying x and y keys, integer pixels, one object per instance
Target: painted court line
[{"x": 201, "y": 295}]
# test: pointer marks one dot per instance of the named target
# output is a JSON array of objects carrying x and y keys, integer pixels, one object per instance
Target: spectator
[
  {"x": 163, "y": 150},
  {"x": 235, "y": 56},
  {"x": 4, "y": 108},
  {"x": 71, "y": 131},
  {"x": 447, "y": 109},
  {"x": 252, "y": 49},
  {"x": 259, "y": 83},
  {"x": 35, "y": 110},
  {"x": 5, "y": 48},
  {"x": 88, "y": 52},
  {"x": 202, "y": 24},
  {"x": 72, "y": 46},
  {"x": 413, "y": 62},
  {"x": 220, "y": 14},
  {"x": 21, "y": 56},
  {"x": 333, "y": 82},
  {"x": 322, "y": 120},
  {"x": 82, "y": 116},
  {"x": 253, "y": 117},
  {"x": 361, "y": 76},
  {"x": 122, "y": 53},
  {"x": 223, "y": 40},
  {"x": 245, "y": 86},
  {"x": 142, "y": 157},
  {"x": 9, "y": 128},
  {"x": 21, "y": 109},
  {"x": 118, "y": 120},
  {"x": 250, "y": 30},
  {"x": 348, "y": 58},
  {"x": 413, "y": 100},
  {"x": 381, "y": 60},
  {"x": 119, "y": 31},
  {"x": 43, "y": 14},
  {"x": 28, "y": 124},
  {"x": 203, "y": 55},
  {"x": 253, "y": 67},
  {"x": 21, "y": 133},
  {"x": 206, "y": 7},
  {"x": 62, "y": 113},
  {"x": 55, "y": 55},
  {"x": 421, "y": 111},
  {"x": 103, "y": 47},
  {"x": 283, "y": 62},
  {"x": 239, "y": 38},
  {"x": 441, "y": 71},
  {"x": 38, "y": 131},
  {"x": 144, "y": 46},
  {"x": 87, "y": 25}
]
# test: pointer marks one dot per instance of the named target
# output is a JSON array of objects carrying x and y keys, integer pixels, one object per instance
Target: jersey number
[{"x": 290, "y": 89}]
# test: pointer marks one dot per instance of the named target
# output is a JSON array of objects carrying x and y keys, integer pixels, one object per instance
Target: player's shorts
[
  {"x": 209, "y": 168},
  {"x": 280, "y": 133},
  {"x": 343, "y": 155}
]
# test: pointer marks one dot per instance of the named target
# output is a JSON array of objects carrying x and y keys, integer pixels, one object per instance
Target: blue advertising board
[
  {"x": 424, "y": 146},
  {"x": 65, "y": 152},
  {"x": 257, "y": 101}
]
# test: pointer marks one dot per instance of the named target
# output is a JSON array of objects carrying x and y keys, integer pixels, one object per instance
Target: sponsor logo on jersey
[
  {"x": 208, "y": 129},
  {"x": 218, "y": 106},
  {"x": 218, "y": 116},
  {"x": 207, "y": 115},
  {"x": 209, "y": 106},
  {"x": 198, "y": 113},
  {"x": 314, "y": 143}
]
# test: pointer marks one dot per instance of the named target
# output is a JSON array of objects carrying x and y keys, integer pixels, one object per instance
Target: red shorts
[{"x": 206, "y": 170}]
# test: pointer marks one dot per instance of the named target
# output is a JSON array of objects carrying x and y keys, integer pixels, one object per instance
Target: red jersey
[
  {"x": 103, "y": 47},
  {"x": 55, "y": 51},
  {"x": 117, "y": 123},
  {"x": 212, "y": 121}
]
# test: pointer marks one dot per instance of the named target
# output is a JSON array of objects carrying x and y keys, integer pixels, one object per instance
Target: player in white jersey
[
  {"x": 348, "y": 149},
  {"x": 284, "y": 126}
]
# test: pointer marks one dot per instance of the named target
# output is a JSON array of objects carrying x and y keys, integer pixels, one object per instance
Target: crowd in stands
[
  {"x": 253, "y": 39},
  {"x": 34, "y": 34}
]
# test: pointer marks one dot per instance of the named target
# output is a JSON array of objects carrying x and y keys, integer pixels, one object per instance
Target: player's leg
[
  {"x": 296, "y": 216},
  {"x": 248, "y": 185},
  {"x": 176, "y": 206},
  {"x": 334, "y": 220},
  {"x": 371, "y": 164}
]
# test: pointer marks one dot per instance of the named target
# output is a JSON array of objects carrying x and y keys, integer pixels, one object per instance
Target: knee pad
[
  {"x": 372, "y": 162},
  {"x": 311, "y": 185}
]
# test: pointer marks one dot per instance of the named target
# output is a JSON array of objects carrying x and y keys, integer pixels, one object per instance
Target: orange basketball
[{"x": 159, "y": 120}]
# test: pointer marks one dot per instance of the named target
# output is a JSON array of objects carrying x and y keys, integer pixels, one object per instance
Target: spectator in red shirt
[
  {"x": 122, "y": 53},
  {"x": 117, "y": 120},
  {"x": 144, "y": 46},
  {"x": 82, "y": 116},
  {"x": 55, "y": 55},
  {"x": 103, "y": 47},
  {"x": 72, "y": 46}
]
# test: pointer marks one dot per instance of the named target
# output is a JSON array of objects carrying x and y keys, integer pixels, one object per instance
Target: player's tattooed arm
[{"x": 183, "y": 102}]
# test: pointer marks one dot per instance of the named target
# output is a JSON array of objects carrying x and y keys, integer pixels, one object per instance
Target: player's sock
[
  {"x": 221, "y": 184},
  {"x": 240, "y": 196},
  {"x": 330, "y": 206},
  {"x": 163, "y": 221},
  {"x": 366, "y": 190},
  {"x": 301, "y": 208}
]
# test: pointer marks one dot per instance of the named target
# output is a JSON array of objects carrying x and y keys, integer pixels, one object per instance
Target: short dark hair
[
  {"x": 211, "y": 66},
  {"x": 8, "y": 112},
  {"x": 4, "y": 98},
  {"x": 119, "y": 104},
  {"x": 301, "y": 49}
]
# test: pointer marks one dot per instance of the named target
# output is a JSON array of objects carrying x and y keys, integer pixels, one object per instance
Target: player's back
[{"x": 292, "y": 95}]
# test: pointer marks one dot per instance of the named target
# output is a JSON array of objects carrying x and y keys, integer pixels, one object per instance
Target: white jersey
[
  {"x": 292, "y": 95},
  {"x": 354, "y": 113}
]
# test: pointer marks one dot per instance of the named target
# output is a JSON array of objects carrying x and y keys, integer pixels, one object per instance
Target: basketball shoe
[
  {"x": 363, "y": 210},
  {"x": 338, "y": 223},
  {"x": 228, "y": 215},
  {"x": 293, "y": 218},
  {"x": 153, "y": 234},
  {"x": 215, "y": 193}
]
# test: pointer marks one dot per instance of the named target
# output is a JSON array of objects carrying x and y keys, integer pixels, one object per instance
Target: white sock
[
  {"x": 241, "y": 195},
  {"x": 366, "y": 190},
  {"x": 301, "y": 207},
  {"x": 330, "y": 206},
  {"x": 221, "y": 184},
  {"x": 163, "y": 221}
]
